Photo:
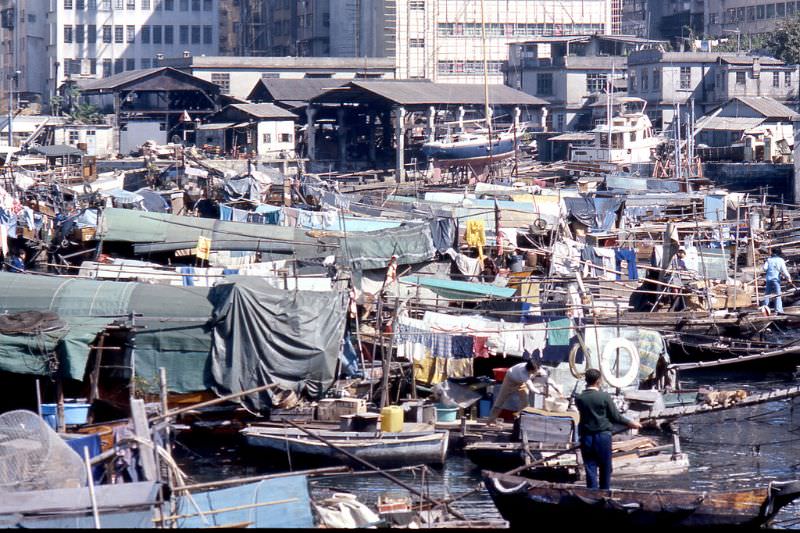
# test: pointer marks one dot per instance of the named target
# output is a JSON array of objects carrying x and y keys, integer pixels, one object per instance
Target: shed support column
[
  {"x": 400, "y": 140},
  {"x": 544, "y": 119},
  {"x": 373, "y": 120},
  {"x": 517, "y": 115},
  {"x": 342, "y": 136},
  {"x": 311, "y": 133},
  {"x": 431, "y": 124},
  {"x": 461, "y": 113}
]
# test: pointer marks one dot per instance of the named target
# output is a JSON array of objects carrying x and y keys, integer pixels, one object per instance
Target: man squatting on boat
[
  {"x": 521, "y": 379},
  {"x": 597, "y": 415}
]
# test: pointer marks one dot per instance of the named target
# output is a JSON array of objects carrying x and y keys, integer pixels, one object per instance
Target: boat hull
[
  {"x": 470, "y": 152},
  {"x": 518, "y": 499},
  {"x": 380, "y": 449}
]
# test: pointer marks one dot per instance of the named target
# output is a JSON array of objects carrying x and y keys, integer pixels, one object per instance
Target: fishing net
[{"x": 34, "y": 457}]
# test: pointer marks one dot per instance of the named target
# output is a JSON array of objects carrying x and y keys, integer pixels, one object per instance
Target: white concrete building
[
  {"x": 442, "y": 40},
  {"x": 64, "y": 39}
]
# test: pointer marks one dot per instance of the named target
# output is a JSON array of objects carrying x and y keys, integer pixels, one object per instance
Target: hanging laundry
[
  {"x": 629, "y": 256},
  {"x": 479, "y": 347},
  {"x": 225, "y": 213},
  {"x": 239, "y": 215},
  {"x": 559, "y": 332},
  {"x": 475, "y": 236},
  {"x": 458, "y": 368},
  {"x": 462, "y": 346}
]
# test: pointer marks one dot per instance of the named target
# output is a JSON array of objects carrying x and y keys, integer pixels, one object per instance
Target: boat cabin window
[
  {"x": 616, "y": 140},
  {"x": 633, "y": 136}
]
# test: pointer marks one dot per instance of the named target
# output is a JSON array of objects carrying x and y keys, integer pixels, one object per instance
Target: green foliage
[
  {"x": 784, "y": 42},
  {"x": 76, "y": 110}
]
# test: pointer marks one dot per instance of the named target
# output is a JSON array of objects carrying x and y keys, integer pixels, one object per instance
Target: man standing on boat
[
  {"x": 597, "y": 416},
  {"x": 521, "y": 379},
  {"x": 775, "y": 266}
]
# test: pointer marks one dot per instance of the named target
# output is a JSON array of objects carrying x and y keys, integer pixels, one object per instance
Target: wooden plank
[{"x": 142, "y": 430}]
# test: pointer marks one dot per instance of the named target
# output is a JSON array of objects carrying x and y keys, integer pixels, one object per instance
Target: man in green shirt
[{"x": 598, "y": 414}]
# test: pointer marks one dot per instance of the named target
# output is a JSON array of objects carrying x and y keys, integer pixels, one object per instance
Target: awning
[
  {"x": 216, "y": 126},
  {"x": 459, "y": 290},
  {"x": 566, "y": 137}
]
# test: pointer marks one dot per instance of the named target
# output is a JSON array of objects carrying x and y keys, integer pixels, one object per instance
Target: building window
[
  {"x": 286, "y": 138},
  {"x": 739, "y": 14},
  {"x": 632, "y": 81},
  {"x": 686, "y": 77},
  {"x": 130, "y": 34},
  {"x": 183, "y": 34},
  {"x": 144, "y": 35},
  {"x": 107, "y": 34},
  {"x": 80, "y": 4},
  {"x": 119, "y": 65},
  {"x": 645, "y": 81},
  {"x": 712, "y": 18},
  {"x": 169, "y": 5},
  {"x": 416, "y": 43},
  {"x": 730, "y": 15},
  {"x": 770, "y": 11},
  {"x": 208, "y": 35},
  {"x": 92, "y": 4},
  {"x": 195, "y": 34},
  {"x": 544, "y": 84},
  {"x": 195, "y": 5},
  {"x": 117, "y": 4},
  {"x": 416, "y": 5},
  {"x": 208, "y": 5},
  {"x": 80, "y": 36},
  {"x": 789, "y": 9},
  {"x": 131, "y": 5},
  {"x": 169, "y": 34},
  {"x": 146, "y": 62},
  {"x": 68, "y": 34},
  {"x": 67, "y": 4},
  {"x": 130, "y": 64},
  {"x": 156, "y": 34},
  {"x": 740, "y": 78},
  {"x": 780, "y": 10},
  {"x": 751, "y": 13},
  {"x": 119, "y": 33},
  {"x": 776, "y": 79},
  {"x": 184, "y": 5},
  {"x": 787, "y": 79},
  {"x": 106, "y": 68},
  {"x": 145, "y": 5},
  {"x": 93, "y": 67},
  {"x": 760, "y": 12},
  {"x": 74, "y": 137},
  {"x": 91, "y": 33},
  {"x": 656, "y": 79},
  {"x": 223, "y": 79},
  {"x": 446, "y": 29},
  {"x": 267, "y": 138},
  {"x": 595, "y": 83}
]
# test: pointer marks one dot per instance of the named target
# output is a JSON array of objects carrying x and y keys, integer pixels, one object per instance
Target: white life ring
[{"x": 609, "y": 355}]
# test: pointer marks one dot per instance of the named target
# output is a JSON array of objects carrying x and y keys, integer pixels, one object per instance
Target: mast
[
  {"x": 486, "y": 109},
  {"x": 610, "y": 110}
]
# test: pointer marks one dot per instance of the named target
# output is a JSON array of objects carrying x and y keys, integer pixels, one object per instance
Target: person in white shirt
[
  {"x": 775, "y": 267},
  {"x": 521, "y": 379}
]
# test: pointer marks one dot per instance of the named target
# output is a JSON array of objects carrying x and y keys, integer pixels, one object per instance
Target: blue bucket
[
  {"x": 446, "y": 414},
  {"x": 74, "y": 413},
  {"x": 484, "y": 408}
]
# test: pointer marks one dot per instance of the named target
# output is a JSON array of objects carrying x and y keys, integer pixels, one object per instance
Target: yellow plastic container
[{"x": 392, "y": 419}]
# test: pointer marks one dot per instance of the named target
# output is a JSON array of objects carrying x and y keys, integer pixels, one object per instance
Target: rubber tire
[
  {"x": 573, "y": 354},
  {"x": 609, "y": 355}
]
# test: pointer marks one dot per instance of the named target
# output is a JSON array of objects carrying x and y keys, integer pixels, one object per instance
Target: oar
[{"x": 376, "y": 469}]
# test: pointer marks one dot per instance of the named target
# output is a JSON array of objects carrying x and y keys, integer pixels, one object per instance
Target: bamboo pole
[
  {"x": 226, "y": 509},
  {"x": 176, "y": 412}
]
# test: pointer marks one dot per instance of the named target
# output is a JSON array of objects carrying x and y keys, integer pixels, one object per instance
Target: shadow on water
[{"x": 728, "y": 450}]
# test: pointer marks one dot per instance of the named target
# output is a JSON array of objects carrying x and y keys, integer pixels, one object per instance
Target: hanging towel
[
  {"x": 225, "y": 213},
  {"x": 462, "y": 346},
  {"x": 479, "y": 347},
  {"x": 558, "y": 332},
  {"x": 188, "y": 277}
]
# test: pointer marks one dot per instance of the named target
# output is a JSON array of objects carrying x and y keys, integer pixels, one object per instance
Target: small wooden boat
[
  {"x": 378, "y": 448},
  {"x": 519, "y": 498}
]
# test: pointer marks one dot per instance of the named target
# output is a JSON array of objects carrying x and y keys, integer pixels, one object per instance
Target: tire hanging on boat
[
  {"x": 573, "y": 367},
  {"x": 609, "y": 355}
]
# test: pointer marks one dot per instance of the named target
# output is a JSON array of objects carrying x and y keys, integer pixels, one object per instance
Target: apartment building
[
  {"x": 739, "y": 19},
  {"x": 443, "y": 40},
  {"x": 667, "y": 79},
  {"x": 70, "y": 39}
]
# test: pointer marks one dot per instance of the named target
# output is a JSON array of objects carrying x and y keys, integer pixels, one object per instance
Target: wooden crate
[{"x": 332, "y": 409}]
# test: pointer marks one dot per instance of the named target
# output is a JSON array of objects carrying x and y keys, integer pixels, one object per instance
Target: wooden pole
[
  {"x": 375, "y": 468},
  {"x": 60, "y": 422},
  {"x": 176, "y": 412},
  {"x": 92, "y": 495}
]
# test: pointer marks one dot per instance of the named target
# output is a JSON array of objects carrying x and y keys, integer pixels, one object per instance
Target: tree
[
  {"x": 76, "y": 110},
  {"x": 784, "y": 42}
]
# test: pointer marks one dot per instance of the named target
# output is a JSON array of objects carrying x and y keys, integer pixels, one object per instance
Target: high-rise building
[
  {"x": 740, "y": 19},
  {"x": 51, "y": 42},
  {"x": 230, "y": 27},
  {"x": 443, "y": 40}
]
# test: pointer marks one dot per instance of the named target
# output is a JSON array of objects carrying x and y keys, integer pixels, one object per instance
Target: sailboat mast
[{"x": 485, "y": 74}]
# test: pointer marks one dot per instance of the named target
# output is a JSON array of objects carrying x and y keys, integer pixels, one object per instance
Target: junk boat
[{"x": 519, "y": 498}]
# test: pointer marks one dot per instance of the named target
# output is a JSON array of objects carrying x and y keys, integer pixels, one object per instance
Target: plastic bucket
[
  {"x": 484, "y": 408},
  {"x": 446, "y": 414},
  {"x": 499, "y": 374},
  {"x": 74, "y": 413}
]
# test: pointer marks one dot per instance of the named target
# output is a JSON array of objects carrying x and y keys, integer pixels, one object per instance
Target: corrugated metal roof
[
  {"x": 729, "y": 123},
  {"x": 421, "y": 92},
  {"x": 162, "y": 78},
  {"x": 577, "y": 136},
  {"x": 768, "y": 107},
  {"x": 287, "y": 62},
  {"x": 296, "y": 92},
  {"x": 264, "y": 111}
]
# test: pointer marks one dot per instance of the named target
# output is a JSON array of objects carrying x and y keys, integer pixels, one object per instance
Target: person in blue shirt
[
  {"x": 775, "y": 266},
  {"x": 18, "y": 262}
]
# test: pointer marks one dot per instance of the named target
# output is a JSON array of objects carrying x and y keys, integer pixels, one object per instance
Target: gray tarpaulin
[
  {"x": 264, "y": 335},
  {"x": 373, "y": 249}
]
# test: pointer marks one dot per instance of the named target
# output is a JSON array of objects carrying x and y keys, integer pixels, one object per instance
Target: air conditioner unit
[{"x": 187, "y": 53}]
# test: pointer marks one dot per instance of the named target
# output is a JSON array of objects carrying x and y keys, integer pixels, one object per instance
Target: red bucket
[{"x": 499, "y": 374}]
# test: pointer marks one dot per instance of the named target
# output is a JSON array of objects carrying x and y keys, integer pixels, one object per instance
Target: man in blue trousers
[{"x": 598, "y": 413}]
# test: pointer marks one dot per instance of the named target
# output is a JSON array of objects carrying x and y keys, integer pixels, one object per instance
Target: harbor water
[{"x": 728, "y": 450}]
